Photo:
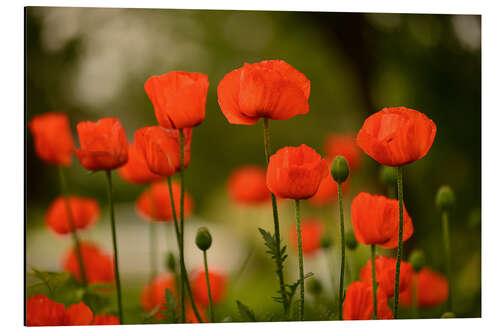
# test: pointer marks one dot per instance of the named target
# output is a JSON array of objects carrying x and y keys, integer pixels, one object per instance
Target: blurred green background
[{"x": 92, "y": 63}]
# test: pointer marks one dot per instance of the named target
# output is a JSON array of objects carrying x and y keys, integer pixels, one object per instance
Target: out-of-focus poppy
[
  {"x": 79, "y": 314},
  {"x": 396, "y": 136},
  {"x": 153, "y": 293},
  {"x": 178, "y": 98},
  {"x": 385, "y": 274},
  {"x": 160, "y": 148},
  {"x": 247, "y": 185},
  {"x": 432, "y": 289},
  {"x": 84, "y": 212},
  {"x": 106, "y": 319},
  {"x": 327, "y": 191},
  {"x": 154, "y": 203},
  {"x": 98, "y": 265},
  {"x": 191, "y": 316},
  {"x": 375, "y": 220},
  {"x": 344, "y": 145},
  {"x": 42, "y": 311},
  {"x": 103, "y": 144},
  {"x": 296, "y": 172},
  {"x": 358, "y": 303},
  {"x": 52, "y": 137},
  {"x": 311, "y": 230},
  {"x": 136, "y": 170},
  {"x": 218, "y": 284},
  {"x": 269, "y": 89}
]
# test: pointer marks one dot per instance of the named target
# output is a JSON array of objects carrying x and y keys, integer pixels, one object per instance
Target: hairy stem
[
  {"x": 374, "y": 283},
  {"x": 400, "y": 241},
  {"x": 301, "y": 259},
  {"x": 212, "y": 318},
  {"x": 447, "y": 253},
  {"x": 342, "y": 242}
]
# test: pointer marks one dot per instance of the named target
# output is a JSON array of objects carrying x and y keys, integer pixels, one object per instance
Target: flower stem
[
  {"x": 115, "y": 247},
  {"x": 183, "y": 266},
  {"x": 212, "y": 318},
  {"x": 400, "y": 241},
  {"x": 279, "y": 262},
  {"x": 447, "y": 253},
  {"x": 181, "y": 249},
  {"x": 342, "y": 242},
  {"x": 74, "y": 234},
  {"x": 301, "y": 259},
  {"x": 374, "y": 283}
]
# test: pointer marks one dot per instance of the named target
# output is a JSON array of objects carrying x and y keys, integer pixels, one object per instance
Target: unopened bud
[
  {"x": 340, "y": 169},
  {"x": 325, "y": 241},
  {"x": 445, "y": 198},
  {"x": 170, "y": 262},
  {"x": 203, "y": 239},
  {"x": 314, "y": 286},
  {"x": 388, "y": 175},
  {"x": 417, "y": 259},
  {"x": 350, "y": 240}
]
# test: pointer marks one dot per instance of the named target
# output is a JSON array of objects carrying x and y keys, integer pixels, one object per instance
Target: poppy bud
[
  {"x": 448, "y": 315},
  {"x": 445, "y": 198},
  {"x": 170, "y": 262},
  {"x": 350, "y": 240},
  {"x": 417, "y": 259},
  {"x": 314, "y": 286},
  {"x": 326, "y": 241},
  {"x": 388, "y": 175},
  {"x": 340, "y": 169},
  {"x": 203, "y": 239}
]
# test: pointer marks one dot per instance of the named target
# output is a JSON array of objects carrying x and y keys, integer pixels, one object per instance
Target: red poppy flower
[
  {"x": 42, "y": 311},
  {"x": 153, "y": 293},
  {"x": 296, "y": 172},
  {"x": 52, "y": 137},
  {"x": 160, "y": 148},
  {"x": 103, "y": 144},
  {"x": 218, "y": 282},
  {"x": 432, "y": 289},
  {"x": 385, "y": 274},
  {"x": 79, "y": 314},
  {"x": 84, "y": 212},
  {"x": 327, "y": 191},
  {"x": 178, "y": 98},
  {"x": 375, "y": 219},
  {"x": 158, "y": 206},
  {"x": 311, "y": 230},
  {"x": 344, "y": 145},
  {"x": 136, "y": 170},
  {"x": 358, "y": 303},
  {"x": 191, "y": 316},
  {"x": 396, "y": 136},
  {"x": 269, "y": 89},
  {"x": 98, "y": 265},
  {"x": 106, "y": 320},
  {"x": 247, "y": 185}
]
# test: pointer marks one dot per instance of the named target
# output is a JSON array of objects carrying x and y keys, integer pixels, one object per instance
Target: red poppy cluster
[
  {"x": 98, "y": 264},
  {"x": 42, "y": 311}
]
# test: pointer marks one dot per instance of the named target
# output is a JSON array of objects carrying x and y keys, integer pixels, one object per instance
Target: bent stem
[
  {"x": 181, "y": 249},
  {"x": 208, "y": 287},
  {"x": 301, "y": 259},
  {"x": 447, "y": 253},
  {"x": 279, "y": 262},
  {"x": 374, "y": 283},
  {"x": 115, "y": 247},
  {"x": 400, "y": 241},
  {"x": 184, "y": 277},
  {"x": 76, "y": 241},
  {"x": 342, "y": 242}
]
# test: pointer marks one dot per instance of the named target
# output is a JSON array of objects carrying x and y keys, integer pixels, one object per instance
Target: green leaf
[
  {"x": 52, "y": 280},
  {"x": 245, "y": 312},
  {"x": 170, "y": 312}
]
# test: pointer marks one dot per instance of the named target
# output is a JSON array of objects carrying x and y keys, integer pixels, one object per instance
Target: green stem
[
  {"x": 342, "y": 242},
  {"x": 400, "y": 241},
  {"x": 301, "y": 259},
  {"x": 212, "y": 318},
  {"x": 115, "y": 247},
  {"x": 279, "y": 262},
  {"x": 374, "y": 283},
  {"x": 181, "y": 250},
  {"x": 74, "y": 234},
  {"x": 447, "y": 253},
  {"x": 184, "y": 276},
  {"x": 153, "y": 240}
]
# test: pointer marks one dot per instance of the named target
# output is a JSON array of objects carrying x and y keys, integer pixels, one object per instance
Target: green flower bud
[
  {"x": 340, "y": 169},
  {"x": 445, "y": 198},
  {"x": 417, "y": 259},
  {"x": 326, "y": 241},
  {"x": 314, "y": 286},
  {"x": 448, "y": 315},
  {"x": 388, "y": 175},
  {"x": 350, "y": 240},
  {"x": 203, "y": 239},
  {"x": 170, "y": 262}
]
